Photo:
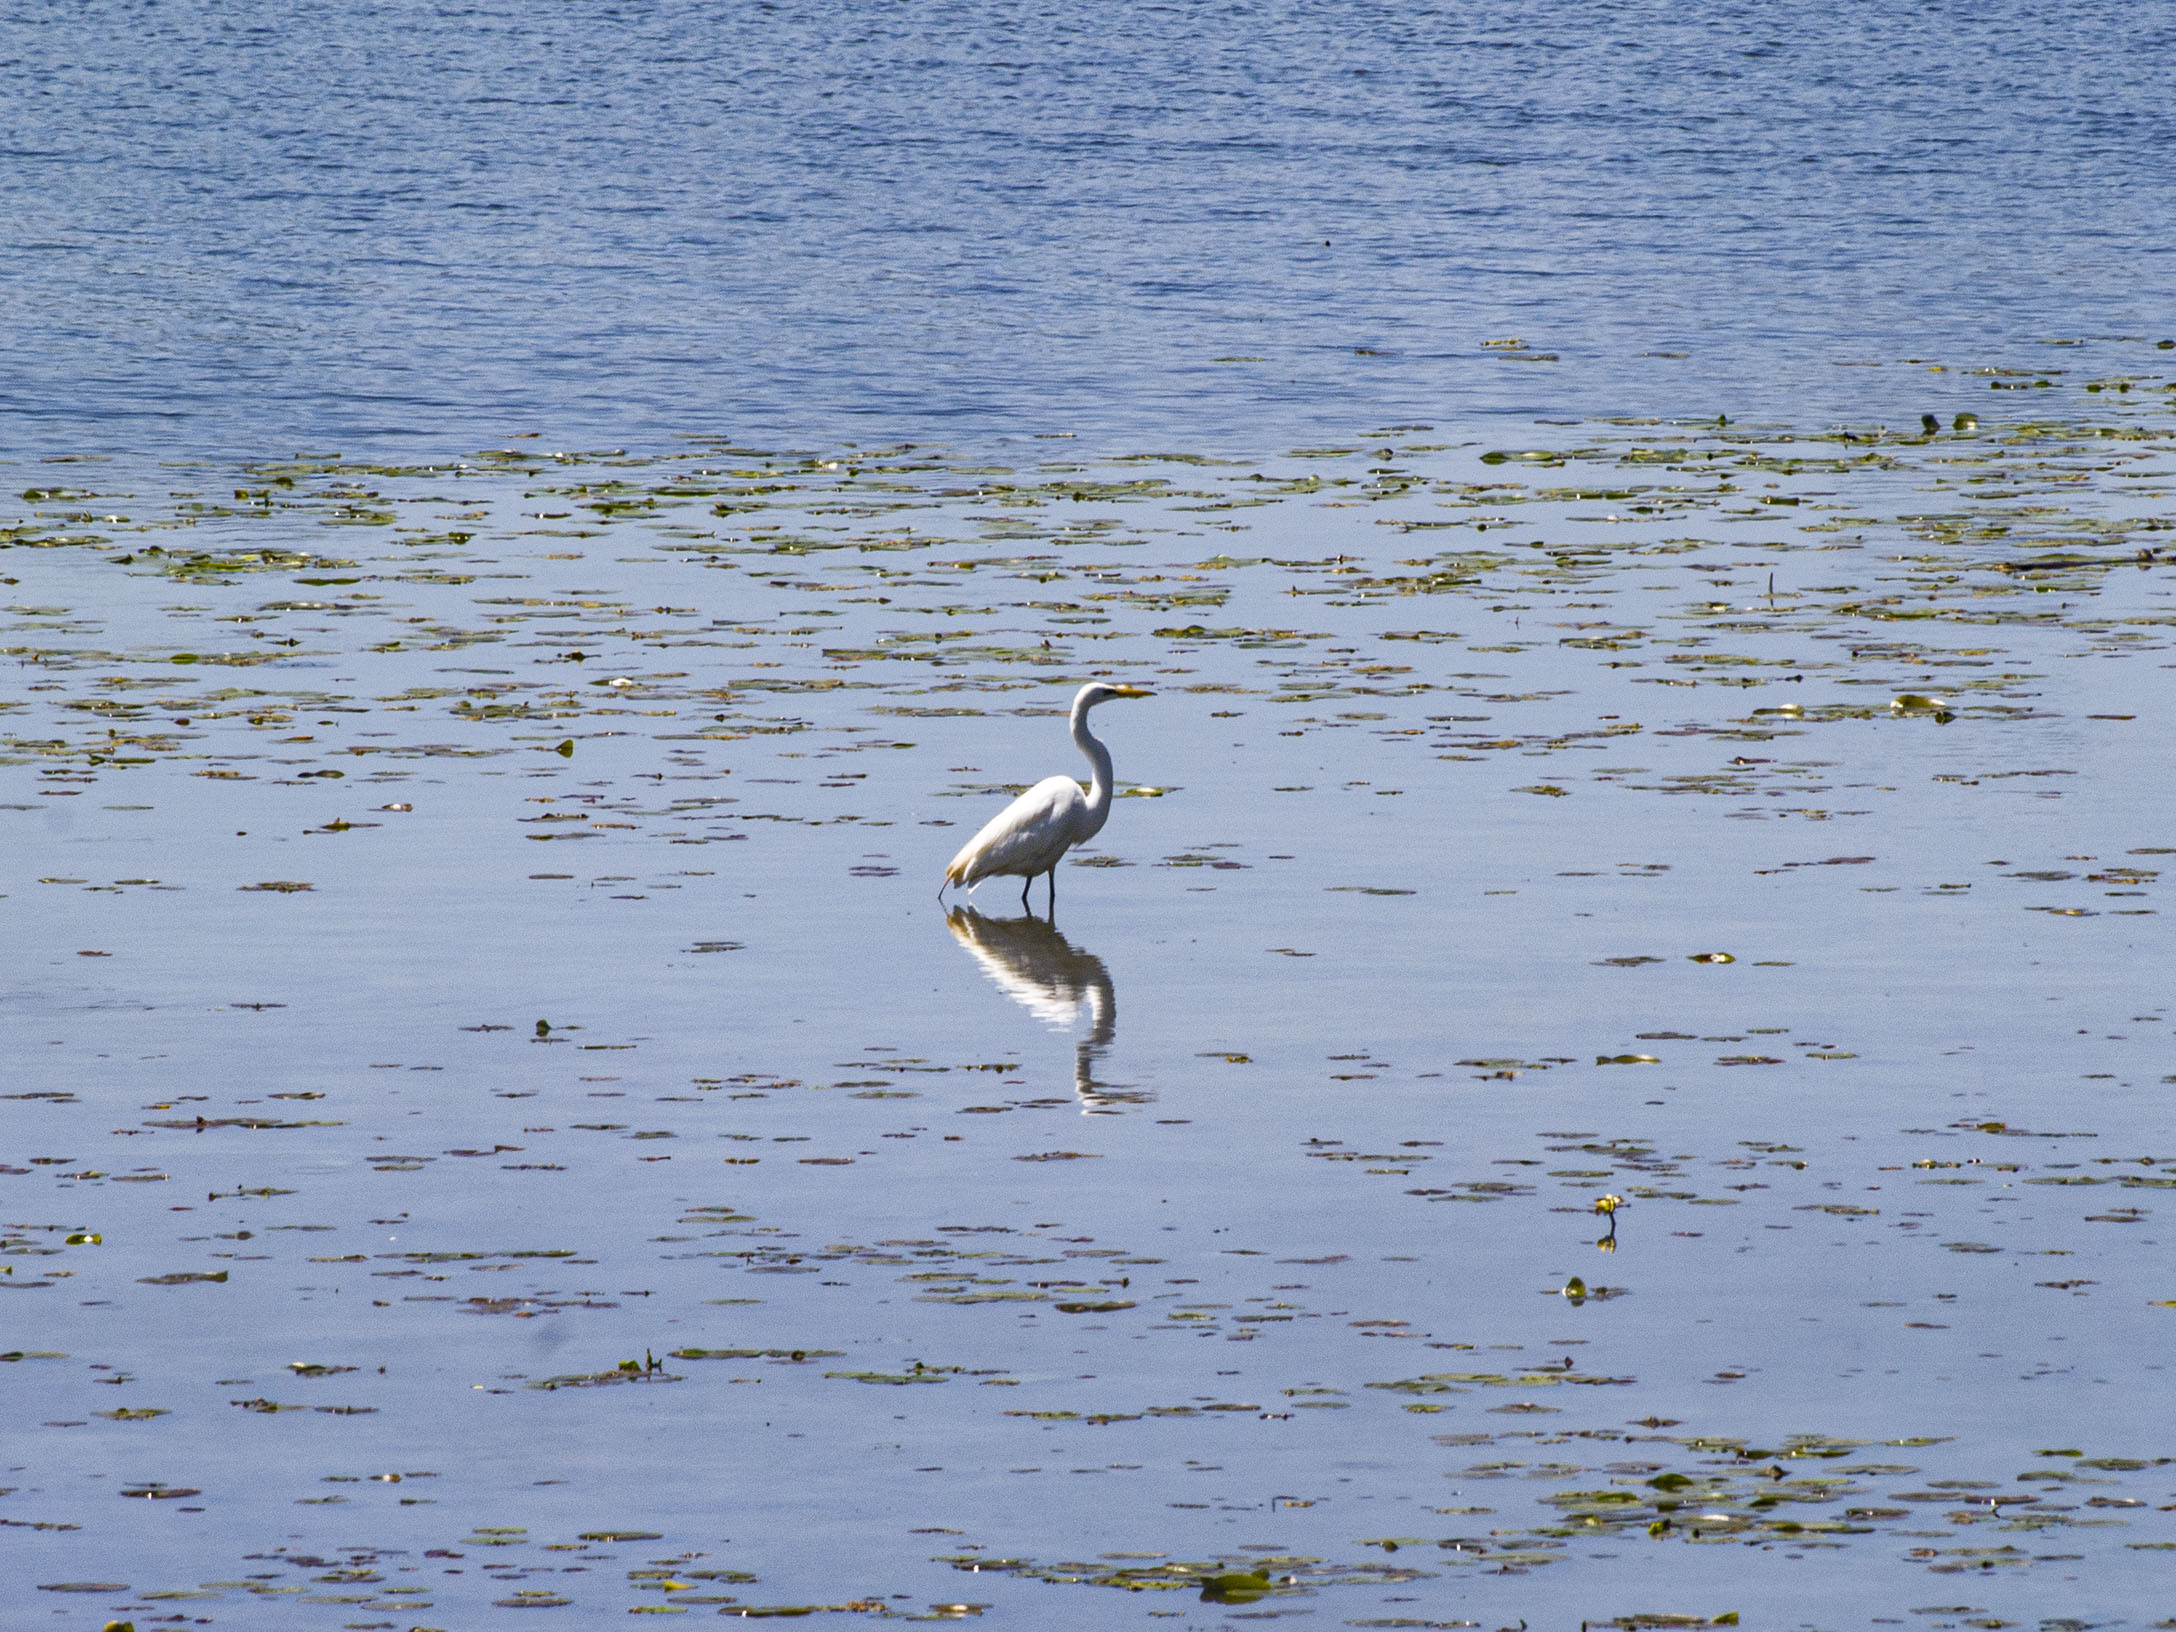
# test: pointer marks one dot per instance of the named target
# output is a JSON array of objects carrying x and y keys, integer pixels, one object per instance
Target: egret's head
[{"x": 1100, "y": 692}]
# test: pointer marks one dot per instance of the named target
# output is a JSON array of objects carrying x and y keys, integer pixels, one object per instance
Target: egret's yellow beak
[{"x": 1130, "y": 691}]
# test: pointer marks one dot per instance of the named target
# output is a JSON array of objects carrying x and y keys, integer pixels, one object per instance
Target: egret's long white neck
[{"x": 1099, "y": 757}]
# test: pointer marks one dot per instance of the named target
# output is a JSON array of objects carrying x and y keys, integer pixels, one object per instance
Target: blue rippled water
[{"x": 255, "y": 227}]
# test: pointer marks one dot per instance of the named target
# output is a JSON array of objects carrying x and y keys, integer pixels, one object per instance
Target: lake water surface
[
  {"x": 1669, "y": 1125},
  {"x": 414, "y": 226}
]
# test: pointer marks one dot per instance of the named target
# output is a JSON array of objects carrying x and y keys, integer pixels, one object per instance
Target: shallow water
[{"x": 1754, "y": 826}]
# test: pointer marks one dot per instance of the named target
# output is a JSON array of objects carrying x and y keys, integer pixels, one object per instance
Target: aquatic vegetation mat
[{"x": 1689, "y": 1182}]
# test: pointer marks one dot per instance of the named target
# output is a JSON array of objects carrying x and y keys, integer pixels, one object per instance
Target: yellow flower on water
[{"x": 1608, "y": 1204}]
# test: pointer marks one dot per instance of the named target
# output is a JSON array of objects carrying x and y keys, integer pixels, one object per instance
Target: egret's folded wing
[{"x": 1026, "y": 837}]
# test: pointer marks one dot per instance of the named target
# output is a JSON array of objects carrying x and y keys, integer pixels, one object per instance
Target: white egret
[{"x": 1032, "y": 834}]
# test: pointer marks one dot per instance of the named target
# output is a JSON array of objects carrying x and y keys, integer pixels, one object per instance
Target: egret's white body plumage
[{"x": 1030, "y": 836}]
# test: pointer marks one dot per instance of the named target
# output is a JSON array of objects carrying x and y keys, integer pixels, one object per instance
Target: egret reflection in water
[{"x": 1054, "y": 980}]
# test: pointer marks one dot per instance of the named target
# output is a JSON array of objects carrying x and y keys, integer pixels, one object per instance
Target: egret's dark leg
[
  {"x": 1051, "y": 907},
  {"x": 1026, "y": 884}
]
